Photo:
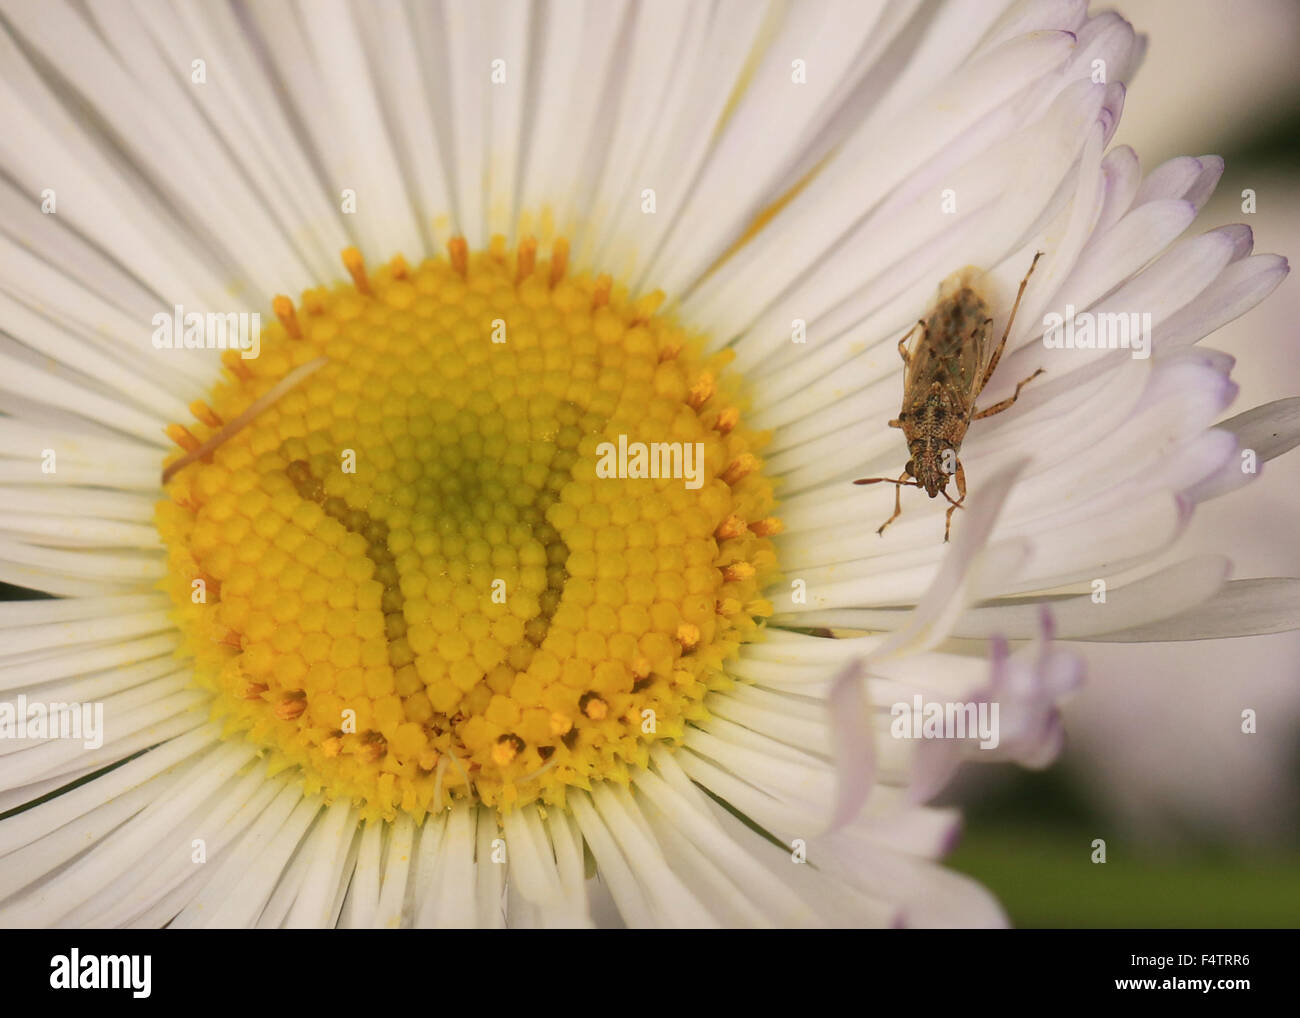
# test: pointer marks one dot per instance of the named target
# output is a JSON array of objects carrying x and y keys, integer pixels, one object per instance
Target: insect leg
[
  {"x": 960, "y": 477},
  {"x": 898, "y": 507},
  {"x": 1005, "y": 404},
  {"x": 898, "y": 494},
  {"x": 997, "y": 354},
  {"x": 902, "y": 343}
]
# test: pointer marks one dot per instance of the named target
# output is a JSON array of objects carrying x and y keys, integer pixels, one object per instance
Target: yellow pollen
[
  {"x": 769, "y": 526},
  {"x": 421, "y": 585},
  {"x": 507, "y": 748},
  {"x": 738, "y": 571},
  {"x": 593, "y": 706},
  {"x": 732, "y": 526},
  {"x": 702, "y": 391},
  {"x": 741, "y": 467},
  {"x": 560, "y": 725}
]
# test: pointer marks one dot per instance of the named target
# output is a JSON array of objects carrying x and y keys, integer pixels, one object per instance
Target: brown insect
[{"x": 945, "y": 371}]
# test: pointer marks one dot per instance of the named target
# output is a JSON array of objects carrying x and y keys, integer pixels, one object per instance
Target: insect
[{"x": 944, "y": 373}]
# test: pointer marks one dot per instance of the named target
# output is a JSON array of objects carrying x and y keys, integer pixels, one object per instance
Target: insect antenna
[{"x": 887, "y": 480}]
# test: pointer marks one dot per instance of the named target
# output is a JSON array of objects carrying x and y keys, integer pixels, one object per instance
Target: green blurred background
[{"x": 1031, "y": 843}]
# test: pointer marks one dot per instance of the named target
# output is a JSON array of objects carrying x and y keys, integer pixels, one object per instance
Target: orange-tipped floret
[
  {"x": 702, "y": 391},
  {"x": 356, "y": 266},
  {"x": 283, "y": 308},
  {"x": 526, "y": 259},
  {"x": 458, "y": 248},
  {"x": 559, "y": 260},
  {"x": 182, "y": 436},
  {"x": 741, "y": 467},
  {"x": 203, "y": 412}
]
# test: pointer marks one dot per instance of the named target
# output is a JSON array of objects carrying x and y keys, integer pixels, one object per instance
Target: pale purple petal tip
[{"x": 854, "y": 754}]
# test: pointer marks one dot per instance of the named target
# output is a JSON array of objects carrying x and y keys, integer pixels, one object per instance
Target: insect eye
[{"x": 910, "y": 469}]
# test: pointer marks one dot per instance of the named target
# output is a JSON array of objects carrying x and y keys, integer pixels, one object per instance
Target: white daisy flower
[{"x": 389, "y": 645}]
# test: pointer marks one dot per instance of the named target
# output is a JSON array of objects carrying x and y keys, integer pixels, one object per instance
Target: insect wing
[{"x": 954, "y": 348}]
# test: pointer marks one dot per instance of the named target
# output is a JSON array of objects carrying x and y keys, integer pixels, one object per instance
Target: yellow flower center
[{"x": 475, "y": 529}]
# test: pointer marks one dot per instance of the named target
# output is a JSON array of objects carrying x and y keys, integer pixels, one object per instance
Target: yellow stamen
[
  {"x": 738, "y": 572},
  {"x": 429, "y": 759},
  {"x": 236, "y": 365},
  {"x": 727, "y": 420},
  {"x": 182, "y": 436},
  {"x": 459, "y": 251},
  {"x": 644, "y": 308},
  {"x": 290, "y": 707},
  {"x": 732, "y": 526},
  {"x": 373, "y": 748},
  {"x": 559, "y": 260},
  {"x": 356, "y": 266},
  {"x": 742, "y": 466},
  {"x": 702, "y": 391},
  {"x": 669, "y": 351},
  {"x": 526, "y": 259},
  {"x": 593, "y": 706},
  {"x": 507, "y": 748},
  {"x": 283, "y": 308},
  {"x": 205, "y": 413}
]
